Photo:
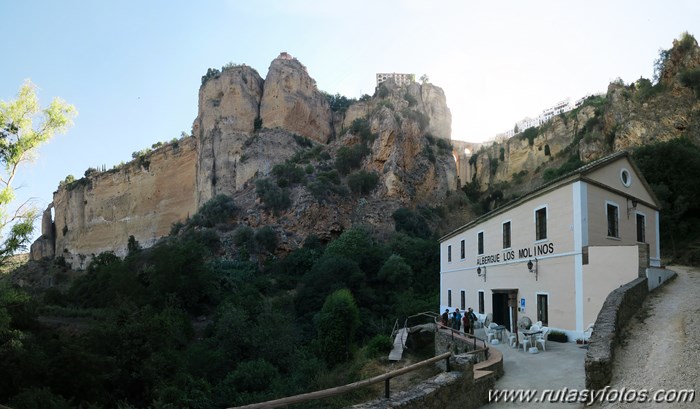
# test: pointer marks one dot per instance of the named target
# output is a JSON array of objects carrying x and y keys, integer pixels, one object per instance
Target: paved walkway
[{"x": 560, "y": 366}]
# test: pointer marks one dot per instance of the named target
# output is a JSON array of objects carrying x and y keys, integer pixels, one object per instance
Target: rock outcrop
[
  {"x": 244, "y": 128},
  {"x": 292, "y": 101},
  {"x": 142, "y": 199}
]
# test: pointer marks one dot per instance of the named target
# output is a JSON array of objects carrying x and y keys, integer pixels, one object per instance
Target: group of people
[{"x": 457, "y": 320}]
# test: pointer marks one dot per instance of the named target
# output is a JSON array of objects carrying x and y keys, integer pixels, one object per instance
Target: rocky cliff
[
  {"x": 627, "y": 116},
  {"x": 142, "y": 199},
  {"x": 252, "y": 130}
]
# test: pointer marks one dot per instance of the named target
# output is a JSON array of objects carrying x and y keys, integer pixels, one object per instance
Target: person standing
[
  {"x": 445, "y": 317},
  {"x": 471, "y": 317},
  {"x": 456, "y": 319}
]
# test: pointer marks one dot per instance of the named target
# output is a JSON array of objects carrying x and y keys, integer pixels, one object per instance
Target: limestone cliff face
[
  {"x": 143, "y": 198},
  {"x": 292, "y": 102},
  {"x": 244, "y": 127}
]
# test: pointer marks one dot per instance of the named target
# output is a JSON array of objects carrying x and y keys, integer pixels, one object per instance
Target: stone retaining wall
[
  {"x": 619, "y": 307},
  {"x": 449, "y": 390}
]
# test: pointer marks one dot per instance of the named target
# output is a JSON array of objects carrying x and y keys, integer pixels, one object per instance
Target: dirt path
[{"x": 661, "y": 347}]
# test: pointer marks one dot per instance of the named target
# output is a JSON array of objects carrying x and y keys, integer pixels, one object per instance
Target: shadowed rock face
[{"x": 291, "y": 101}]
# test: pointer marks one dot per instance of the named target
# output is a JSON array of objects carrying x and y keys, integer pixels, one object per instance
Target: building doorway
[{"x": 504, "y": 307}]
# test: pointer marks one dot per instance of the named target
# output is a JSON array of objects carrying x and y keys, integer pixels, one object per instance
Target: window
[
  {"x": 541, "y": 224},
  {"x": 481, "y": 302},
  {"x": 625, "y": 177},
  {"x": 506, "y": 235},
  {"x": 480, "y": 237},
  {"x": 461, "y": 244},
  {"x": 613, "y": 220},
  {"x": 449, "y": 298},
  {"x": 449, "y": 253},
  {"x": 462, "y": 300},
  {"x": 641, "y": 228},
  {"x": 542, "y": 313}
]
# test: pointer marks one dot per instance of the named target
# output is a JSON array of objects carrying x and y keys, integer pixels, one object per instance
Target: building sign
[{"x": 527, "y": 252}]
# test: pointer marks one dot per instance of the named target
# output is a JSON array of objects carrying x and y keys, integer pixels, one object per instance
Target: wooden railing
[
  {"x": 478, "y": 344},
  {"x": 339, "y": 390}
]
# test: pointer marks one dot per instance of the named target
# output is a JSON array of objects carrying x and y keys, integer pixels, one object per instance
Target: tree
[
  {"x": 19, "y": 138},
  {"x": 337, "y": 323},
  {"x": 424, "y": 78}
]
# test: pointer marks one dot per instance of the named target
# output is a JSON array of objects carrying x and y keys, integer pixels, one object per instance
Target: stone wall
[
  {"x": 445, "y": 342},
  {"x": 449, "y": 390},
  {"x": 656, "y": 277},
  {"x": 619, "y": 307}
]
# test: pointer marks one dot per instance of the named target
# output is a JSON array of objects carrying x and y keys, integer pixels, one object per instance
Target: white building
[
  {"x": 555, "y": 254},
  {"x": 399, "y": 79}
]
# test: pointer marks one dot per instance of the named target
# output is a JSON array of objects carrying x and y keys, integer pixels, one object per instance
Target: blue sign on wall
[{"x": 522, "y": 303}]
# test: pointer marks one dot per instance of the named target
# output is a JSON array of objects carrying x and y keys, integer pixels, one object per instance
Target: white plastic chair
[
  {"x": 525, "y": 342},
  {"x": 490, "y": 332},
  {"x": 542, "y": 338},
  {"x": 512, "y": 338},
  {"x": 588, "y": 332}
]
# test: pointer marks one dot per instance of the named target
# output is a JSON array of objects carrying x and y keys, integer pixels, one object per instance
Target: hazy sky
[{"x": 133, "y": 68}]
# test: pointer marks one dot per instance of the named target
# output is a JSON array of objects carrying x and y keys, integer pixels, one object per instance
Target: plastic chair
[
  {"x": 512, "y": 338},
  {"x": 588, "y": 332},
  {"x": 490, "y": 332},
  {"x": 525, "y": 342},
  {"x": 542, "y": 338}
]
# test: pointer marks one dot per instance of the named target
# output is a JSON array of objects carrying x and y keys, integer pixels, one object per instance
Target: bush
[
  {"x": 215, "y": 211},
  {"x": 557, "y": 336},
  {"x": 411, "y": 223},
  {"x": 243, "y": 237},
  {"x": 362, "y": 182},
  {"x": 530, "y": 134},
  {"x": 273, "y": 196},
  {"x": 337, "y": 323},
  {"x": 379, "y": 345},
  {"x": 288, "y": 172},
  {"x": 266, "y": 238},
  {"x": 348, "y": 158},
  {"x": 410, "y": 99},
  {"x": 691, "y": 78}
]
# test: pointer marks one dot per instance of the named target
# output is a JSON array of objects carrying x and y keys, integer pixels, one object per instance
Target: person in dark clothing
[
  {"x": 456, "y": 319},
  {"x": 471, "y": 317},
  {"x": 446, "y": 317}
]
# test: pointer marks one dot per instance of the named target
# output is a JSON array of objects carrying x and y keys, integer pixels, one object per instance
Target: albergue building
[{"x": 555, "y": 254}]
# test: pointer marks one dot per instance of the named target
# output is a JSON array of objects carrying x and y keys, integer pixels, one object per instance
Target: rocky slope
[
  {"x": 627, "y": 116},
  {"x": 245, "y": 127}
]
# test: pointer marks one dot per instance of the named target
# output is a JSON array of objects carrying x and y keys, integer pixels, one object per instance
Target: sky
[{"x": 133, "y": 68}]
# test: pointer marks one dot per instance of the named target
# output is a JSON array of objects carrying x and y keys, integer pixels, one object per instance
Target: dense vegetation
[
  {"x": 177, "y": 326},
  {"x": 673, "y": 172}
]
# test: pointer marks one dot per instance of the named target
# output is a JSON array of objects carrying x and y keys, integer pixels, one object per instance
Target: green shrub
[
  {"x": 557, "y": 336},
  {"x": 266, "y": 238},
  {"x": 348, "y": 158},
  {"x": 309, "y": 169},
  {"x": 411, "y": 223},
  {"x": 382, "y": 91},
  {"x": 410, "y": 99},
  {"x": 272, "y": 196},
  {"x": 691, "y": 79},
  {"x": 530, "y": 134},
  {"x": 257, "y": 124},
  {"x": 243, "y": 237},
  {"x": 337, "y": 323},
  {"x": 444, "y": 145},
  {"x": 217, "y": 210},
  {"x": 288, "y": 173},
  {"x": 379, "y": 345},
  {"x": 428, "y": 152},
  {"x": 362, "y": 182}
]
